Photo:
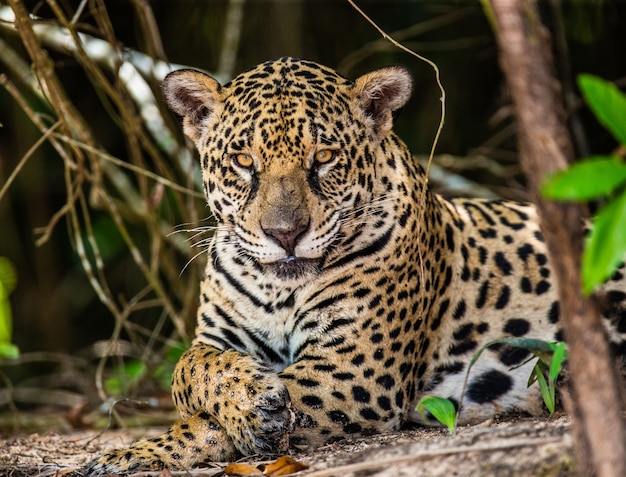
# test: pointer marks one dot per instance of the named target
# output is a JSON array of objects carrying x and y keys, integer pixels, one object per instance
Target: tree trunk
[{"x": 596, "y": 404}]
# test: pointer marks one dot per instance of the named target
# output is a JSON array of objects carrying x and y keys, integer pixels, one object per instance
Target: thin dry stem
[
  {"x": 432, "y": 64},
  {"x": 20, "y": 165},
  {"x": 402, "y": 35}
]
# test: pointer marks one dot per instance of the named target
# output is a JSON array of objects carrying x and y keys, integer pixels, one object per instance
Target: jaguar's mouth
[{"x": 293, "y": 268}]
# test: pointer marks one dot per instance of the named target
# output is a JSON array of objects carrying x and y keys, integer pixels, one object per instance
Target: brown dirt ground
[{"x": 521, "y": 447}]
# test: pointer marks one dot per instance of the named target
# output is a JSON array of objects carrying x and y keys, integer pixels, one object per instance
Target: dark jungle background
[{"x": 106, "y": 256}]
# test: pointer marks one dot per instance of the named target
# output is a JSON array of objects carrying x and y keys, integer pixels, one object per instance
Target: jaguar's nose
[{"x": 287, "y": 235}]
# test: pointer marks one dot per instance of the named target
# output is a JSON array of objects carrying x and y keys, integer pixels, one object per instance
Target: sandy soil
[{"x": 523, "y": 447}]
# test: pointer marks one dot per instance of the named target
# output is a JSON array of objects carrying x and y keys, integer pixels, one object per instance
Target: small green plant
[
  {"x": 8, "y": 280},
  {"x": 440, "y": 408},
  {"x": 552, "y": 369},
  {"x": 549, "y": 356},
  {"x": 600, "y": 178}
]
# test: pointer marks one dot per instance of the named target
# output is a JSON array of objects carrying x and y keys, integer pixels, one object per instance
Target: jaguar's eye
[
  {"x": 243, "y": 160},
  {"x": 324, "y": 155}
]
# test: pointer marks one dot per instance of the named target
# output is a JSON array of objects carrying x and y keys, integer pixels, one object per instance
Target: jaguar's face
[{"x": 288, "y": 158}]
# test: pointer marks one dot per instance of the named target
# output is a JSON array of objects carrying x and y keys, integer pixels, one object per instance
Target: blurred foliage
[
  {"x": 100, "y": 199},
  {"x": 584, "y": 20},
  {"x": 8, "y": 280},
  {"x": 124, "y": 378},
  {"x": 599, "y": 178}
]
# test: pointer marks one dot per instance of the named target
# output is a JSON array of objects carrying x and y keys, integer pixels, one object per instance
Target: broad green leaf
[
  {"x": 8, "y": 275},
  {"x": 8, "y": 279},
  {"x": 8, "y": 350},
  {"x": 589, "y": 179},
  {"x": 605, "y": 246},
  {"x": 163, "y": 372},
  {"x": 442, "y": 409},
  {"x": 540, "y": 348},
  {"x": 607, "y": 102},
  {"x": 6, "y": 321}
]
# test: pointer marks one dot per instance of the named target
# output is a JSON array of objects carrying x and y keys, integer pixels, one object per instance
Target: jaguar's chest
[{"x": 253, "y": 313}]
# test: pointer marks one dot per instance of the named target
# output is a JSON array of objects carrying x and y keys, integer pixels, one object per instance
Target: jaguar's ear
[
  {"x": 381, "y": 93},
  {"x": 194, "y": 96}
]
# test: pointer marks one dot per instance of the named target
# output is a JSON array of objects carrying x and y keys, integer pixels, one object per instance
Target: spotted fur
[{"x": 339, "y": 289}]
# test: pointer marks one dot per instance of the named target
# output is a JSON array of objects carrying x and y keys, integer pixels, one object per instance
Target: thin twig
[
  {"x": 18, "y": 68},
  {"x": 402, "y": 35},
  {"x": 22, "y": 162},
  {"x": 432, "y": 64},
  {"x": 131, "y": 167}
]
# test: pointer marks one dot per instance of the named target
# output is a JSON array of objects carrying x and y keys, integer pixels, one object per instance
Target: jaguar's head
[{"x": 291, "y": 157}]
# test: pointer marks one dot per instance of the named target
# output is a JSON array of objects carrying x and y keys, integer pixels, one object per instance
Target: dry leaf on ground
[
  {"x": 284, "y": 465},
  {"x": 242, "y": 470}
]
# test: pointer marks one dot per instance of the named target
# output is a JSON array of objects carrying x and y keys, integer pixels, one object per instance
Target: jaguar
[{"x": 339, "y": 289}]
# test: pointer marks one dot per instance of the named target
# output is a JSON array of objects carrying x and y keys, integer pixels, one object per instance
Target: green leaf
[
  {"x": 8, "y": 280},
  {"x": 6, "y": 320},
  {"x": 547, "y": 392},
  {"x": 549, "y": 355},
  {"x": 8, "y": 275},
  {"x": 124, "y": 376},
  {"x": 8, "y": 350},
  {"x": 589, "y": 179},
  {"x": 605, "y": 246},
  {"x": 134, "y": 369},
  {"x": 442, "y": 409},
  {"x": 113, "y": 386},
  {"x": 557, "y": 361},
  {"x": 607, "y": 102},
  {"x": 540, "y": 366},
  {"x": 175, "y": 351},
  {"x": 540, "y": 348}
]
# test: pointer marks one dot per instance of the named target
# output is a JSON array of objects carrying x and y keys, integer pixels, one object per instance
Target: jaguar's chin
[{"x": 295, "y": 268}]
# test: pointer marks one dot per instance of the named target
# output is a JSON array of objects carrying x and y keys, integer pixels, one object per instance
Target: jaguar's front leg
[
  {"x": 185, "y": 444},
  {"x": 230, "y": 404},
  {"x": 244, "y": 396}
]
